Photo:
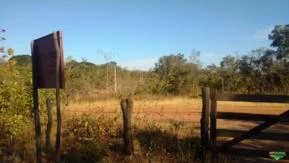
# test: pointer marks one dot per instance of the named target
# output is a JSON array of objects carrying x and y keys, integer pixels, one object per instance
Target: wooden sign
[{"x": 44, "y": 57}]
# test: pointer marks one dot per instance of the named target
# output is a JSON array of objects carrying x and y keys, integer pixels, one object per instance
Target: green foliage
[
  {"x": 87, "y": 153},
  {"x": 15, "y": 85},
  {"x": 82, "y": 78},
  {"x": 159, "y": 141},
  {"x": 261, "y": 71},
  {"x": 177, "y": 75},
  {"x": 86, "y": 135},
  {"x": 280, "y": 40},
  {"x": 12, "y": 127},
  {"x": 22, "y": 60},
  {"x": 91, "y": 128},
  {"x": 15, "y": 88}
]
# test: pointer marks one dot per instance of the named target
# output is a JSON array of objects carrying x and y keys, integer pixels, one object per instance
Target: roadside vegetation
[{"x": 97, "y": 137}]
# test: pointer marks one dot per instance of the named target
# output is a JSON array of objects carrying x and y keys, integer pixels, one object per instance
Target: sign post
[
  {"x": 48, "y": 72},
  {"x": 58, "y": 110},
  {"x": 35, "y": 106}
]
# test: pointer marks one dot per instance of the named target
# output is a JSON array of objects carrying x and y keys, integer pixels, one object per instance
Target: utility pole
[
  {"x": 141, "y": 77},
  {"x": 107, "y": 56},
  {"x": 115, "y": 82},
  {"x": 107, "y": 76},
  {"x": 223, "y": 87}
]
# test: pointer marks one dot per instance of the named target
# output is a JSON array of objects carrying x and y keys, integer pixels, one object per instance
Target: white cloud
[
  {"x": 140, "y": 64},
  {"x": 262, "y": 34},
  {"x": 210, "y": 58}
]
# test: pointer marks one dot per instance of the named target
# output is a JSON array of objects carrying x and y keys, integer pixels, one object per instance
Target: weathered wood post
[
  {"x": 213, "y": 125},
  {"x": 49, "y": 125},
  {"x": 205, "y": 120},
  {"x": 48, "y": 72},
  {"x": 36, "y": 113},
  {"x": 57, "y": 93},
  {"x": 126, "y": 107}
]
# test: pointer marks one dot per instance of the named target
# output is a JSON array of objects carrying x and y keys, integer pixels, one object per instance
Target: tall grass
[{"x": 165, "y": 129}]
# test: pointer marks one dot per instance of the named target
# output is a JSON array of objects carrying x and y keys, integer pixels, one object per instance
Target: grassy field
[
  {"x": 185, "y": 113},
  {"x": 164, "y": 130},
  {"x": 175, "y": 108}
]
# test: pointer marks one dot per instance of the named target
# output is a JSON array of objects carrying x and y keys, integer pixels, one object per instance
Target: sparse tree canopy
[
  {"x": 21, "y": 59},
  {"x": 280, "y": 40}
]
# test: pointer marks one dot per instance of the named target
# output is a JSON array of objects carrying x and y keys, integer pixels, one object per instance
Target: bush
[
  {"x": 85, "y": 137},
  {"x": 87, "y": 153},
  {"x": 158, "y": 140},
  {"x": 12, "y": 127},
  {"x": 87, "y": 127},
  {"x": 15, "y": 88}
]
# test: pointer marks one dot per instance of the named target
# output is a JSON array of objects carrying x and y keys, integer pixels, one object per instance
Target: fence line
[{"x": 210, "y": 131}]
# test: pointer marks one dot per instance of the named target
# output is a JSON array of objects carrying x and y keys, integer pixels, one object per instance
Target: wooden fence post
[
  {"x": 58, "y": 109},
  {"x": 49, "y": 125},
  {"x": 36, "y": 113},
  {"x": 213, "y": 124},
  {"x": 205, "y": 120},
  {"x": 126, "y": 107}
]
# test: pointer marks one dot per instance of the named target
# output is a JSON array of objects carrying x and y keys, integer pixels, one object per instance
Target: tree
[
  {"x": 167, "y": 64},
  {"x": 177, "y": 74},
  {"x": 2, "y": 49},
  {"x": 228, "y": 72},
  {"x": 280, "y": 40},
  {"x": 22, "y": 60},
  {"x": 210, "y": 77},
  {"x": 194, "y": 57}
]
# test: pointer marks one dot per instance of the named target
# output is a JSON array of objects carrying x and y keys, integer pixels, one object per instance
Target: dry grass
[
  {"x": 186, "y": 111},
  {"x": 173, "y": 108},
  {"x": 162, "y": 121},
  {"x": 182, "y": 109}
]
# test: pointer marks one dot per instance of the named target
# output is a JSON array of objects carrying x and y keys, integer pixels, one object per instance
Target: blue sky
[{"x": 136, "y": 33}]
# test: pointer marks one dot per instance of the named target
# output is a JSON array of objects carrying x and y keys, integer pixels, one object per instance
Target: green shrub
[
  {"x": 157, "y": 140},
  {"x": 15, "y": 88},
  {"x": 87, "y": 127},
  {"x": 12, "y": 127},
  {"x": 87, "y": 153},
  {"x": 85, "y": 137}
]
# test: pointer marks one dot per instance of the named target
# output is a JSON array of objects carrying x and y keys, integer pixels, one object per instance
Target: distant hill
[{"x": 22, "y": 59}]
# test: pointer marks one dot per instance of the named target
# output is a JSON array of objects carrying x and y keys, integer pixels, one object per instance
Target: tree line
[{"x": 261, "y": 71}]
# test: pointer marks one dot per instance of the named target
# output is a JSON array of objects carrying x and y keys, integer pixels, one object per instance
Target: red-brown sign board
[{"x": 44, "y": 57}]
